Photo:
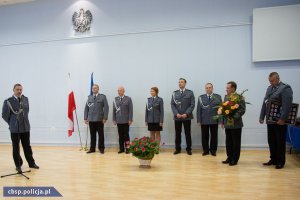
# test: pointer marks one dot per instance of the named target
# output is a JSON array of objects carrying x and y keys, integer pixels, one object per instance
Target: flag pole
[
  {"x": 77, "y": 121},
  {"x": 87, "y": 126},
  {"x": 86, "y": 138},
  {"x": 81, "y": 148}
]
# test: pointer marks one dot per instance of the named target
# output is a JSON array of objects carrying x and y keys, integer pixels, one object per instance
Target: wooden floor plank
[{"x": 77, "y": 175}]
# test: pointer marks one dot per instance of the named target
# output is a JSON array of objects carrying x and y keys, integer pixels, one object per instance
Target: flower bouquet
[
  {"x": 144, "y": 149},
  {"x": 228, "y": 109}
]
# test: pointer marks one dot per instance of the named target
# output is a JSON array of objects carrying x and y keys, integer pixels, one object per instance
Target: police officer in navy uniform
[
  {"x": 283, "y": 94},
  {"x": 95, "y": 115},
  {"x": 122, "y": 117},
  {"x": 183, "y": 104},
  {"x": 206, "y": 109},
  {"x": 154, "y": 114},
  {"x": 15, "y": 112}
]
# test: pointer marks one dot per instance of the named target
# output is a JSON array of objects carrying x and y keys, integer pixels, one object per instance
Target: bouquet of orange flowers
[{"x": 229, "y": 108}]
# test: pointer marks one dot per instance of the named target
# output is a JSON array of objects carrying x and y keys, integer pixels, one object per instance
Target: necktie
[
  {"x": 209, "y": 98},
  {"x": 152, "y": 99},
  {"x": 121, "y": 98},
  {"x": 19, "y": 99},
  {"x": 181, "y": 92},
  {"x": 94, "y": 97}
]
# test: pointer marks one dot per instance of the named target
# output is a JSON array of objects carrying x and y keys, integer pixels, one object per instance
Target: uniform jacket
[
  {"x": 206, "y": 109},
  {"x": 283, "y": 94},
  {"x": 96, "y": 109},
  {"x": 154, "y": 110},
  {"x": 183, "y": 104},
  {"x": 18, "y": 123},
  {"x": 122, "y": 110}
]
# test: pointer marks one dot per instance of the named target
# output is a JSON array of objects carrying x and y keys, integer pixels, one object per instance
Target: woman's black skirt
[{"x": 154, "y": 127}]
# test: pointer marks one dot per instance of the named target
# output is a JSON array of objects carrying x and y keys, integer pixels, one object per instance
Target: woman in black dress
[{"x": 154, "y": 115}]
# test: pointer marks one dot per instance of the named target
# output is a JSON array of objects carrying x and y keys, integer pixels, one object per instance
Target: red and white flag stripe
[{"x": 71, "y": 109}]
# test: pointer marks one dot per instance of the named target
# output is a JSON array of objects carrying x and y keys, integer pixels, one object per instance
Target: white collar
[
  {"x": 95, "y": 94},
  {"x": 210, "y": 94},
  {"x": 122, "y": 96},
  {"x": 181, "y": 90}
]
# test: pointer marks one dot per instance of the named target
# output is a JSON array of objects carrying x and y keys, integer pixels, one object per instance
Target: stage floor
[{"x": 77, "y": 175}]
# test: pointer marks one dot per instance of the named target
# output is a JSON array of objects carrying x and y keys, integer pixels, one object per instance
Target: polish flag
[{"x": 71, "y": 109}]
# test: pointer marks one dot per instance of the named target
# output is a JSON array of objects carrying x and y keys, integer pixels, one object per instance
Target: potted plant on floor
[{"x": 144, "y": 149}]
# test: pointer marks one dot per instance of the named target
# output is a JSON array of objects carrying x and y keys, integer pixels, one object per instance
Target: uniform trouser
[
  {"x": 233, "y": 144},
  {"x": 123, "y": 131},
  {"x": 94, "y": 128},
  {"x": 25, "y": 140},
  {"x": 276, "y": 140},
  {"x": 187, "y": 130},
  {"x": 213, "y": 129}
]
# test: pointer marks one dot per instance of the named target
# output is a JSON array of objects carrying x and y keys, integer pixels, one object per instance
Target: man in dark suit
[
  {"x": 206, "y": 109},
  {"x": 283, "y": 94},
  {"x": 122, "y": 117},
  {"x": 233, "y": 130},
  {"x": 15, "y": 112},
  {"x": 95, "y": 115},
  {"x": 183, "y": 104}
]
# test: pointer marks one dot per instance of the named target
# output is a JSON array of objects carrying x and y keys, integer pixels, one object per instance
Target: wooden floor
[{"x": 77, "y": 175}]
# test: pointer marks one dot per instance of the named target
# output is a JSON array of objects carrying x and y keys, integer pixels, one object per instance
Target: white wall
[
  {"x": 276, "y": 33},
  {"x": 138, "y": 44}
]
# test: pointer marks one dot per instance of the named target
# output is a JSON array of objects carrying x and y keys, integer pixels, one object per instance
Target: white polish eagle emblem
[{"x": 82, "y": 20}]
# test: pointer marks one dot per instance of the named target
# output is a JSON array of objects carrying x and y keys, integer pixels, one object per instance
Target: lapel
[
  {"x": 150, "y": 102},
  {"x": 182, "y": 95},
  {"x": 94, "y": 99},
  {"x": 212, "y": 98},
  {"x": 205, "y": 100},
  {"x": 154, "y": 101},
  {"x": 118, "y": 101},
  {"x": 124, "y": 99},
  {"x": 15, "y": 103}
]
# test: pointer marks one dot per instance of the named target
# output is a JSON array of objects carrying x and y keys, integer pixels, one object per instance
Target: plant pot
[{"x": 145, "y": 163}]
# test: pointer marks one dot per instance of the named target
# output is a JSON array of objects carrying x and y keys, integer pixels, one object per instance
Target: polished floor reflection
[{"x": 77, "y": 175}]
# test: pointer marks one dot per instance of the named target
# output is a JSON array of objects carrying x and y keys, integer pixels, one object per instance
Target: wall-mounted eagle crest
[{"x": 82, "y": 20}]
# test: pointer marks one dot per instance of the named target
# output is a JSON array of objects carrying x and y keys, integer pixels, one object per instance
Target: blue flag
[{"x": 92, "y": 83}]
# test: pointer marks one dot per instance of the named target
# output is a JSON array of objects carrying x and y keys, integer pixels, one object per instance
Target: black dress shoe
[
  {"x": 213, "y": 153},
  {"x": 121, "y": 151},
  {"x": 226, "y": 161},
  {"x": 127, "y": 151},
  {"x": 279, "y": 166},
  {"x": 189, "y": 152},
  {"x": 91, "y": 151},
  {"x": 101, "y": 151},
  {"x": 205, "y": 153},
  {"x": 19, "y": 170},
  {"x": 268, "y": 163},
  {"x": 34, "y": 166},
  {"x": 232, "y": 163},
  {"x": 176, "y": 152}
]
